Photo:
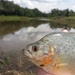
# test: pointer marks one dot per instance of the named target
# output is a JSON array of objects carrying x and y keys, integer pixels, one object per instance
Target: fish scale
[{"x": 55, "y": 53}]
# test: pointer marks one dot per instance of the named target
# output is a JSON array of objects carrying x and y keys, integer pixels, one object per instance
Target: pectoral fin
[{"x": 60, "y": 65}]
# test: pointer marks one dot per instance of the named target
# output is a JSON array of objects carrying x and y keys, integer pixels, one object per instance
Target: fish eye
[{"x": 35, "y": 48}]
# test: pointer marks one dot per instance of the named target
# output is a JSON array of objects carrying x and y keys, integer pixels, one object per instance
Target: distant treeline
[{"x": 8, "y": 8}]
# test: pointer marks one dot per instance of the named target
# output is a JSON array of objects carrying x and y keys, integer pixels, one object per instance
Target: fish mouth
[
  {"x": 25, "y": 53},
  {"x": 27, "y": 57}
]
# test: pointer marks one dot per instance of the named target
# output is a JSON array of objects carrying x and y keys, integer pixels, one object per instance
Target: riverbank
[
  {"x": 14, "y": 18},
  {"x": 69, "y": 21}
]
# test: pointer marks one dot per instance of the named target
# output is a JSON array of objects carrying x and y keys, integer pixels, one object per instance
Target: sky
[{"x": 46, "y": 5}]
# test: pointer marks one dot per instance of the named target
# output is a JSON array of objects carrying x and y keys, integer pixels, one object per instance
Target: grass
[
  {"x": 13, "y": 72},
  {"x": 69, "y": 21},
  {"x": 57, "y": 20},
  {"x": 14, "y": 18},
  {"x": 9, "y": 65}
]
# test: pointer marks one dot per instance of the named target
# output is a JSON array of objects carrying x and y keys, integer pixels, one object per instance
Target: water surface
[{"x": 16, "y": 35}]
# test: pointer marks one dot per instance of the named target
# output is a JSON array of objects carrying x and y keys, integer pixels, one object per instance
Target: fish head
[
  {"x": 48, "y": 55},
  {"x": 41, "y": 53}
]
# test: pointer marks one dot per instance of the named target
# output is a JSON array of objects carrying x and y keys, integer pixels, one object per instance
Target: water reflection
[
  {"x": 11, "y": 27},
  {"x": 19, "y": 39}
]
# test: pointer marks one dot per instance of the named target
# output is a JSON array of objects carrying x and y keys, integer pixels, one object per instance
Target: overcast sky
[{"x": 46, "y": 5}]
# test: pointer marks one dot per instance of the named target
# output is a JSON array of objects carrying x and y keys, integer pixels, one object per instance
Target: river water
[{"x": 14, "y": 36}]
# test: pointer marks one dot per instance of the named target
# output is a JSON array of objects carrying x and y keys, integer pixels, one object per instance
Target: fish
[{"x": 54, "y": 53}]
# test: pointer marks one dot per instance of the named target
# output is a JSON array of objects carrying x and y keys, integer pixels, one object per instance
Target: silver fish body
[{"x": 55, "y": 53}]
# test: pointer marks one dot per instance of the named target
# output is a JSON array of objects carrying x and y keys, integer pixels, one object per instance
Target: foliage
[
  {"x": 61, "y": 13},
  {"x": 8, "y": 8},
  {"x": 62, "y": 21}
]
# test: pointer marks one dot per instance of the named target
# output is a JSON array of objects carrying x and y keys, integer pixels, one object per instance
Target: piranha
[{"x": 54, "y": 53}]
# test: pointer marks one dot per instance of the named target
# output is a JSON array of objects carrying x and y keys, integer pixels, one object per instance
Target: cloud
[
  {"x": 27, "y": 2},
  {"x": 16, "y": 1},
  {"x": 42, "y": 5},
  {"x": 46, "y": 5},
  {"x": 73, "y": 7},
  {"x": 51, "y": 1},
  {"x": 72, "y": 0}
]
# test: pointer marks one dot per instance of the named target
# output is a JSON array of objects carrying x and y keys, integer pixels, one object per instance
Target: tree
[{"x": 67, "y": 13}]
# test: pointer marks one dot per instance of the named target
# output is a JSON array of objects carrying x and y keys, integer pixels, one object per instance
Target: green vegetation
[
  {"x": 62, "y": 17},
  {"x": 61, "y": 13},
  {"x": 8, "y": 8},
  {"x": 69, "y": 21},
  {"x": 13, "y": 12},
  {"x": 14, "y": 18}
]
